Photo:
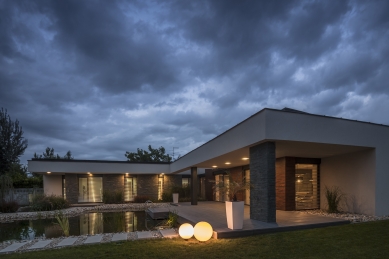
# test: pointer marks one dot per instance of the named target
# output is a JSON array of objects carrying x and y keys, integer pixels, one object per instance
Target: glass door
[{"x": 306, "y": 187}]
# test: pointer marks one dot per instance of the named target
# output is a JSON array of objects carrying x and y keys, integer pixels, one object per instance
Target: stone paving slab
[
  {"x": 40, "y": 244},
  {"x": 169, "y": 233},
  {"x": 13, "y": 247},
  {"x": 93, "y": 239},
  {"x": 144, "y": 234},
  {"x": 67, "y": 242},
  {"x": 119, "y": 237}
]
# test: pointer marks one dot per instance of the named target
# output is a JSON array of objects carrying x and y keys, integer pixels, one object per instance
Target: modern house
[{"x": 288, "y": 155}]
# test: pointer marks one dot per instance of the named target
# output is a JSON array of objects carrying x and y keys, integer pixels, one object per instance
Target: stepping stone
[
  {"x": 13, "y": 247},
  {"x": 119, "y": 237},
  {"x": 68, "y": 241},
  {"x": 168, "y": 233},
  {"x": 93, "y": 239},
  {"x": 144, "y": 234},
  {"x": 40, "y": 244}
]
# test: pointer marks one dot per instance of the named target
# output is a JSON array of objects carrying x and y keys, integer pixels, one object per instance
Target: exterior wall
[
  {"x": 209, "y": 179},
  {"x": 148, "y": 186},
  {"x": 355, "y": 175},
  {"x": 113, "y": 182},
  {"x": 99, "y": 167},
  {"x": 52, "y": 184},
  {"x": 171, "y": 180},
  {"x": 285, "y": 184},
  {"x": 71, "y": 185}
]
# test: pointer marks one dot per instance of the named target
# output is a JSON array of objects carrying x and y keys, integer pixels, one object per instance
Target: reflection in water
[{"x": 85, "y": 224}]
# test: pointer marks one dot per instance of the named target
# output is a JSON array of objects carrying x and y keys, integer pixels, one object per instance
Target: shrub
[
  {"x": 141, "y": 199},
  {"x": 8, "y": 206},
  {"x": 113, "y": 197},
  {"x": 334, "y": 196},
  {"x": 42, "y": 202},
  {"x": 172, "y": 220},
  {"x": 167, "y": 197}
]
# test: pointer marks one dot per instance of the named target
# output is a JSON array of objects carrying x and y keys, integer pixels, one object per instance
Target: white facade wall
[
  {"x": 354, "y": 174},
  {"x": 52, "y": 184}
]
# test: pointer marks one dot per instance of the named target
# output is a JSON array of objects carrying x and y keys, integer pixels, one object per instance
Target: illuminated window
[
  {"x": 185, "y": 182},
  {"x": 130, "y": 188},
  {"x": 307, "y": 186},
  {"x": 160, "y": 187},
  {"x": 90, "y": 189}
]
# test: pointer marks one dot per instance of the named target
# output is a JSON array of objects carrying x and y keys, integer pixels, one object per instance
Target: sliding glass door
[{"x": 90, "y": 189}]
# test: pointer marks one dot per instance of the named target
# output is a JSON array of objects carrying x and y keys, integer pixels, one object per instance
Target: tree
[
  {"x": 49, "y": 154},
  {"x": 153, "y": 155},
  {"x": 12, "y": 143}
]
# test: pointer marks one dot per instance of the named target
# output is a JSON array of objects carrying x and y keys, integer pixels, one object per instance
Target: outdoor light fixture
[
  {"x": 49, "y": 172},
  {"x": 186, "y": 231},
  {"x": 203, "y": 231},
  {"x": 245, "y": 158},
  {"x": 227, "y": 163},
  {"x": 214, "y": 166}
]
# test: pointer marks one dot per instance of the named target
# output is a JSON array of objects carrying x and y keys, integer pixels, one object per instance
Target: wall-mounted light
[
  {"x": 203, "y": 231},
  {"x": 186, "y": 231},
  {"x": 49, "y": 172}
]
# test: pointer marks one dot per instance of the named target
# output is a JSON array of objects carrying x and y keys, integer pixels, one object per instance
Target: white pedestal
[
  {"x": 175, "y": 197},
  {"x": 235, "y": 213}
]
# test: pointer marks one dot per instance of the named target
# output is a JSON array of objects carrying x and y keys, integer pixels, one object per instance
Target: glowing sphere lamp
[
  {"x": 186, "y": 231},
  {"x": 203, "y": 231}
]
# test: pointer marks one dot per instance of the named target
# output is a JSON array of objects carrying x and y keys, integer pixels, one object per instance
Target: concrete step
[
  {"x": 119, "y": 237},
  {"x": 40, "y": 244},
  {"x": 93, "y": 239},
  {"x": 13, "y": 247},
  {"x": 67, "y": 241}
]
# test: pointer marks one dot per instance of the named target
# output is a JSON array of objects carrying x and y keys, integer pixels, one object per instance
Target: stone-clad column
[
  {"x": 262, "y": 177},
  {"x": 193, "y": 185},
  {"x": 71, "y": 185}
]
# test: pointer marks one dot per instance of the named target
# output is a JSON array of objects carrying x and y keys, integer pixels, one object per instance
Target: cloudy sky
[{"x": 101, "y": 78}]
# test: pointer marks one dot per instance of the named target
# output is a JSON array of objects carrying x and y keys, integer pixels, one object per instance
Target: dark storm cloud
[{"x": 104, "y": 77}]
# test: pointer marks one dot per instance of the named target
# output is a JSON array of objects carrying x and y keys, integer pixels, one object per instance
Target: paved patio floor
[{"x": 214, "y": 213}]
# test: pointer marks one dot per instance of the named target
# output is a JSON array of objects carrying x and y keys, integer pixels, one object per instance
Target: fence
[{"x": 21, "y": 195}]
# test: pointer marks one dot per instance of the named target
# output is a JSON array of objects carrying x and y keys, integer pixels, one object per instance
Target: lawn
[{"x": 363, "y": 240}]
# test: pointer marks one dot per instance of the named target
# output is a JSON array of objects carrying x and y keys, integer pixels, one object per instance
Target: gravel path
[{"x": 353, "y": 218}]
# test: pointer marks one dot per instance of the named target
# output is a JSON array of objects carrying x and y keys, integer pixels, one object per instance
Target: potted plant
[{"x": 234, "y": 208}]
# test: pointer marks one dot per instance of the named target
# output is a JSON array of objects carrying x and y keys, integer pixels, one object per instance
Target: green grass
[{"x": 364, "y": 240}]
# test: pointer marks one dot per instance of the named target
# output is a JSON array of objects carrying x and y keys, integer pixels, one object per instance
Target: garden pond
[{"x": 85, "y": 224}]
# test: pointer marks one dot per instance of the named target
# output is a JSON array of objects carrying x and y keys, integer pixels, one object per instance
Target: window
[
  {"x": 130, "y": 188},
  {"x": 221, "y": 179},
  {"x": 185, "y": 182},
  {"x": 160, "y": 187},
  {"x": 307, "y": 186},
  {"x": 63, "y": 187},
  {"x": 90, "y": 189}
]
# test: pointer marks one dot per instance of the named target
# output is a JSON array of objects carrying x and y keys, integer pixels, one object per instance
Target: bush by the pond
[
  {"x": 113, "y": 197},
  {"x": 141, "y": 199},
  {"x": 8, "y": 206},
  {"x": 43, "y": 202}
]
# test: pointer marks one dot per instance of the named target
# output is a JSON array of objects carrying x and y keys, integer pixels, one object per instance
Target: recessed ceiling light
[
  {"x": 245, "y": 158},
  {"x": 214, "y": 166},
  {"x": 227, "y": 163},
  {"x": 49, "y": 172}
]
